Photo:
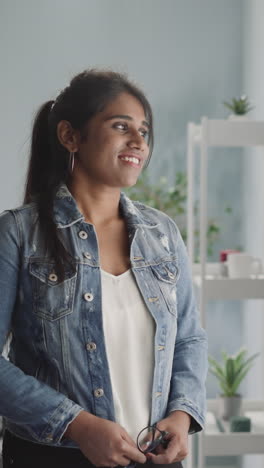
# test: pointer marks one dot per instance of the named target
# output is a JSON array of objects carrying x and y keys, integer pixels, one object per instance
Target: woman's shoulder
[{"x": 25, "y": 212}]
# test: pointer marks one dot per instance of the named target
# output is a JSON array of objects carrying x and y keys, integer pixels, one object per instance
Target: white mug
[{"x": 243, "y": 265}]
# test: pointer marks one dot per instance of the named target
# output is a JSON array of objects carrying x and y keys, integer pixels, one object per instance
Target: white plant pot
[
  {"x": 229, "y": 406},
  {"x": 238, "y": 118}
]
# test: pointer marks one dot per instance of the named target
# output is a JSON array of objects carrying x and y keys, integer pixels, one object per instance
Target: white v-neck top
[{"x": 129, "y": 337}]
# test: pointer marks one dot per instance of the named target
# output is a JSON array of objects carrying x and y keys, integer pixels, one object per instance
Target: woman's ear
[{"x": 67, "y": 136}]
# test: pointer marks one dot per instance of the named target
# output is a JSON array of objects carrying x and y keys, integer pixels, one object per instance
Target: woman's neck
[{"x": 99, "y": 205}]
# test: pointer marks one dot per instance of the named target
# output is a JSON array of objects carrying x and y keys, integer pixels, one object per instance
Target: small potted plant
[
  {"x": 230, "y": 374},
  {"x": 239, "y": 107}
]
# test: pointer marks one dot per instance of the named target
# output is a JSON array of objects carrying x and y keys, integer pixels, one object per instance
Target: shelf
[
  {"x": 231, "y": 133},
  {"x": 216, "y": 443},
  {"x": 231, "y": 288},
  {"x": 211, "y": 285}
]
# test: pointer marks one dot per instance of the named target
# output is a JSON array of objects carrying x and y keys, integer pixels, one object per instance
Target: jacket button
[
  {"x": 49, "y": 438},
  {"x": 98, "y": 392},
  {"x": 87, "y": 255},
  {"x": 53, "y": 277},
  {"x": 91, "y": 346},
  {"x": 83, "y": 235},
  {"x": 88, "y": 297}
]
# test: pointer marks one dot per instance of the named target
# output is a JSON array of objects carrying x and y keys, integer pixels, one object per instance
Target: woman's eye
[
  {"x": 120, "y": 126},
  {"x": 123, "y": 126},
  {"x": 144, "y": 133}
]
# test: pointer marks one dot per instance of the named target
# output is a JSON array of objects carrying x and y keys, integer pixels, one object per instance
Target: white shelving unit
[
  {"x": 230, "y": 288},
  {"x": 221, "y": 133},
  {"x": 234, "y": 443}
]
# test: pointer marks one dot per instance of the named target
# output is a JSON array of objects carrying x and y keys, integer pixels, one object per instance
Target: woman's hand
[
  {"x": 177, "y": 424},
  {"x": 103, "y": 442}
]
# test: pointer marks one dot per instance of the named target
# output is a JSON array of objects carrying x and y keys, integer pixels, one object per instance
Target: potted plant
[
  {"x": 239, "y": 107},
  {"x": 230, "y": 375}
]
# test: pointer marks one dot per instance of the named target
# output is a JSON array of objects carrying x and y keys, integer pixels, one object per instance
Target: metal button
[
  {"x": 49, "y": 438},
  {"x": 171, "y": 275},
  {"x": 88, "y": 297},
  {"x": 91, "y": 346},
  {"x": 87, "y": 255},
  {"x": 83, "y": 235},
  {"x": 98, "y": 392},
  {"x": 53, "y": 277}
]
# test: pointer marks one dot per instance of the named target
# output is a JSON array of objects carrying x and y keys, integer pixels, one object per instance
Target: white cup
[{"x": 243, "y": 265}]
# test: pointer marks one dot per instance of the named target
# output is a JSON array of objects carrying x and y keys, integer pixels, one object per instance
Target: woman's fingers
[
  {"x": 175, "y": 451},
  {"x": 132, "y": 453},
  {"x": 103, "y": 442}
]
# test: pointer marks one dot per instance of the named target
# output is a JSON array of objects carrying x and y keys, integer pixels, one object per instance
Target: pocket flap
[
  {"x": 46, "y": 272},
  {"x": 167, "y": 272}
]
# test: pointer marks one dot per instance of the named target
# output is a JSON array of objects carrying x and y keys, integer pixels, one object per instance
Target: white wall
[
  {"x": 253, "y": 199},
  {"x": 254, "y": 174}
]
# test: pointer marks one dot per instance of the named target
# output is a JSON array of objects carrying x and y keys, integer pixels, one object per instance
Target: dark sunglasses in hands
[{"x": 149, "y": 439}]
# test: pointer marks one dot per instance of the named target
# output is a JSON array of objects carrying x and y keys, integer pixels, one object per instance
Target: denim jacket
[{"x": 57, "y": 362}]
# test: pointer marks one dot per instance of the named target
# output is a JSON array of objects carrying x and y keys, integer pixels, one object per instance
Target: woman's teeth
[{"x": 131, "y": 159}]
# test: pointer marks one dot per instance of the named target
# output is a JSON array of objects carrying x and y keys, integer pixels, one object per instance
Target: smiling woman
[{"x": 98, "y": 298}]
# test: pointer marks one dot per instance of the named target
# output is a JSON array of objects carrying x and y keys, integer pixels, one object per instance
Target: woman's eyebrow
[{"x": 125, "y": 117}]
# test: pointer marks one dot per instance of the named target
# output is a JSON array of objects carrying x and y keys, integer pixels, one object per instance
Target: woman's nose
[{"x": 136, "y": 141}]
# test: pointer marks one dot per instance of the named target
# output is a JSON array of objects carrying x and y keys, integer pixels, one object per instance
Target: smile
[{"x": 132, "y": 159}]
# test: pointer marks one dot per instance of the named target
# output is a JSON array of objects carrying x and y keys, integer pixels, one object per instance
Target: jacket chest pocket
[
  {"x": 166, "y": 275},
  {"x": 52, "y": 299}
]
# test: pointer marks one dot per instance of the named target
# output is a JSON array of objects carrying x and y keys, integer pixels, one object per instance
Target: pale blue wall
[{"x": 185, "y": 53}]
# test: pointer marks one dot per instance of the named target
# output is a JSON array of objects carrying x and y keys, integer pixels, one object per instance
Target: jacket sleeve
[
  {"x": 24, "y": 400},
  {"x": 190, "y": 361}
]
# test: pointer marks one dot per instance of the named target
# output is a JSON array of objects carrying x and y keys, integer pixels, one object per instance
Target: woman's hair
[{"x": 87, "y": 94}]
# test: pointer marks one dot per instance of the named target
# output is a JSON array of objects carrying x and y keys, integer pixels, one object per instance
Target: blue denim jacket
[{"x": 57, "y": 362}]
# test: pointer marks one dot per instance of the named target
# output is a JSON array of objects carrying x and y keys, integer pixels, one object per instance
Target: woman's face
[{"x": 115, "y": 147}]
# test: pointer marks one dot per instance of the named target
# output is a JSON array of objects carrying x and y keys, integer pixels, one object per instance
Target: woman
[{"x": 97, "y": 294}]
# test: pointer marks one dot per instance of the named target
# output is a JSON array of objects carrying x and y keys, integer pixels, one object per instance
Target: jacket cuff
[
  {"x": 59, "y": 421},
  {"x": 197, "y": 421}
]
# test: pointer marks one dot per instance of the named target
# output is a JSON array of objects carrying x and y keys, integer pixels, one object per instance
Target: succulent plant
[{"x": 240, "y": 106}]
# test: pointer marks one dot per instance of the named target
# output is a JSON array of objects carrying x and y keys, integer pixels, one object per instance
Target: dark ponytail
[
  {"x": 87, "y": 94},
  {"x": 42, "y": 183},
  {"x": 40, "y": 153}
]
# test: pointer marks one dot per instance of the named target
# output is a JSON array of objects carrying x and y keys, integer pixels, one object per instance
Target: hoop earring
[{"x": 71, "y": 161}]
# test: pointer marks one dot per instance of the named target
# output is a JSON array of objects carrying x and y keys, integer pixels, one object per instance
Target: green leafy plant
[
  {"x": 232, "y": 371},
  {"x": 240, "y": 106},
  {"x": 172, "y": 201}
]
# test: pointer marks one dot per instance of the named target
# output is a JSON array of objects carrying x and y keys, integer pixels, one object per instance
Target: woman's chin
[{"x": 129, "y": 184}]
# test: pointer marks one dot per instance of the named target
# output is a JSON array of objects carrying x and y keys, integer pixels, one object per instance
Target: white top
[{"x": 129, "y": 337}]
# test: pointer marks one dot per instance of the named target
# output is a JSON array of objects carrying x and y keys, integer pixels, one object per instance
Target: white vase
[
  {"x": 238, "y": 118},
  {"x": 229, "y": 406}
]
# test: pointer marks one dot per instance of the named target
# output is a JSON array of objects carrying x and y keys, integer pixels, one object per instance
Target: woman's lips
[{"x": 131, "y": 159}]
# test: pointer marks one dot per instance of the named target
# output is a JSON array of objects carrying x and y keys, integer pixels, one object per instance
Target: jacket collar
[{"x": 66, "y": 212}]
